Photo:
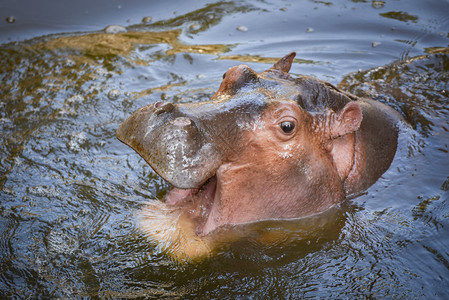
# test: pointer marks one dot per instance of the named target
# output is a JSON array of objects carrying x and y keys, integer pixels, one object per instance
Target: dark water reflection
[{"x": 69, "y": 189}]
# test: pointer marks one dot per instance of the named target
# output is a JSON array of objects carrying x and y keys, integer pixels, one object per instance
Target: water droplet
[
  {"x": 101, "y": 71},
  {"x": 75, "y": 98},
  {"x": 242, "y": 28},
  {"x": 10, "y": 19},
  {"x": 114, "y": 29},
  {"x": 84, "y": 212},
  {"x": 5, "y": 121},
  {"x": 77, "y": 141},
  {"x": 375, "y": 44},
  {"x": 113, "y": 94},
  {"x": 147, "y": 20},
  {"x": 195, "y": 26},
  {"x": 310, "y": 29},
  {"x": 378, "y": 4}
]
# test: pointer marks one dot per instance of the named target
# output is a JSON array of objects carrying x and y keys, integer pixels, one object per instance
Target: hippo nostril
[
  {"x": 158, "y": 104},
  {"x": 161, "y": 107},
  {"x": 182, "y": 122}
]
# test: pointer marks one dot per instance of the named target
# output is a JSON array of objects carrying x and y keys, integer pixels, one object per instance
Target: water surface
[{"x": 69, "y": 189}]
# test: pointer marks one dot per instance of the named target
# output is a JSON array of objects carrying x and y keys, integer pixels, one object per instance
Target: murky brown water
[{"x": 69, "y": 189}]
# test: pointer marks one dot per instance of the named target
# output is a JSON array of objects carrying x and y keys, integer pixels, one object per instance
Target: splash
[{"x": 172, "y": 232}]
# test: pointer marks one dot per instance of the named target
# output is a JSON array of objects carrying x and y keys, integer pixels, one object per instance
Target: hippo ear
[
  {"x": 346, "y": 121},
  {"x": 285, "y": 63}
]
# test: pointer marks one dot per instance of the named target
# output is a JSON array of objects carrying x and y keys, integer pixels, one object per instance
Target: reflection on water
[
  {"x": 69, "y": 191},
  {"x": 173, "y": 234},
  {"x": 123, "y": 43},
  {"x": 400, "y": 16}
]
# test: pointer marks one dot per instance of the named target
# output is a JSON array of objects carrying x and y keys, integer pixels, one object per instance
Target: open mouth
[{"x": 198, "y": 201}]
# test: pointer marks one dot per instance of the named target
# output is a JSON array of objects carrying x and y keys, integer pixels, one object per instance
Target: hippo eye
[
  {"x": 287, "y": 127},
  {"x": 224, "y": 75}
]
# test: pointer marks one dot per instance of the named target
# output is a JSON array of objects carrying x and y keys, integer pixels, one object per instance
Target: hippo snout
[{"x": 172, "y": 144}]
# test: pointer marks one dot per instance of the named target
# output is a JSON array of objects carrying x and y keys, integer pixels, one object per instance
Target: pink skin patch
[
  {"x": 204, "y": 194},
  {"x": 176, "y": 196}
]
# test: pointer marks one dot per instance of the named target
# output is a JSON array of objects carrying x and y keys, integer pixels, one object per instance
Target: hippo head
[{"x": 266, "y": 146}]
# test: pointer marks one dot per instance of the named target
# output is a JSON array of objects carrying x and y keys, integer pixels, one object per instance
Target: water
[{"x": 69, "y": 190}]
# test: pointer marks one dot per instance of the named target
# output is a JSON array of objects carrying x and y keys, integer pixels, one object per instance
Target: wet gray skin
[{"x": 186, "y": 143}]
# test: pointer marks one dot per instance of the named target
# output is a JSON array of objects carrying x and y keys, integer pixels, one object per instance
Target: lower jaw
[{"x": 196, "y": 202}]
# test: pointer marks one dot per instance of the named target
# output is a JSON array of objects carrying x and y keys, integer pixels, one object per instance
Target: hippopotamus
[{"x": 266, "y": 146}]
